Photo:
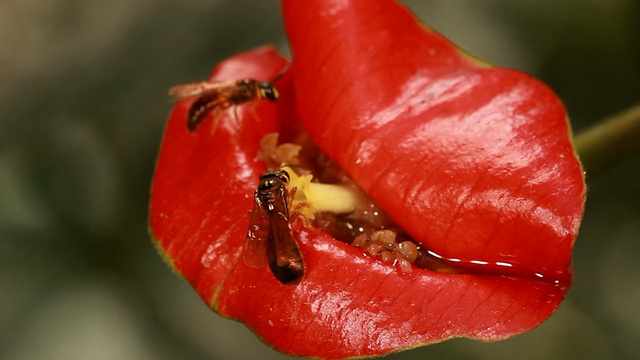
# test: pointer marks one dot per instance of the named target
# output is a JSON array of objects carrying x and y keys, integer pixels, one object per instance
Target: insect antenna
[{"x": 284, "y": 70}]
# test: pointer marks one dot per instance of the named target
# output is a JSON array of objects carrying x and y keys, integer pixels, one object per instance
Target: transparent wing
[
  {"x": 182, "y": 91},
  {"x": 255, "y": 243},
  {"x": 283, "y": 254}
]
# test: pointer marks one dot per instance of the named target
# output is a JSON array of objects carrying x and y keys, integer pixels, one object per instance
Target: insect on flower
[
  {"x": 269, "y": 237},
  {"x": 216, "y": 96}
]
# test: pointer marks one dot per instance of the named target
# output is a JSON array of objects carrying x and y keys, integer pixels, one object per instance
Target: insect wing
[
  {"x": 255, "y": 244},
  {"x": 219, "y": 88},
  {"x": 284, "y": 257}
]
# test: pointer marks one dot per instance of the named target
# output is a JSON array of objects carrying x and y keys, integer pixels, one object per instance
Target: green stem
[{"x": 609, "y": 141}]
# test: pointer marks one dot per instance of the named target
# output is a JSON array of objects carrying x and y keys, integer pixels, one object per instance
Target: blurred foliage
[{"x": 83, "y": 88}]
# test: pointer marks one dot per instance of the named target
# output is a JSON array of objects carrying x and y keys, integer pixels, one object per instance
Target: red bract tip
[{"x": 473, "y": 163}]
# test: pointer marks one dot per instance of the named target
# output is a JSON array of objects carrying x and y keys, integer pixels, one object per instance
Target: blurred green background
[{"x": 83, "y": 102}]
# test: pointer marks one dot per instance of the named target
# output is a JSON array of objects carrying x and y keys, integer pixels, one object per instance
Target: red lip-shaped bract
[{"x": 474, "y": 162}]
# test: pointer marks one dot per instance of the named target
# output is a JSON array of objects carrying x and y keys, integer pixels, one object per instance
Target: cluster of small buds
[{"x": 383, "y": 243}]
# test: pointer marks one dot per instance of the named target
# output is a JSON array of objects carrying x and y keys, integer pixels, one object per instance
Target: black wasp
[{"x": 270, "y": 230}]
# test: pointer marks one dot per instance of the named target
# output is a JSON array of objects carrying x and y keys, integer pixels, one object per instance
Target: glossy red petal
[
  {"x": 350, "y": 305},
  {"x": 472, "y": 161}
]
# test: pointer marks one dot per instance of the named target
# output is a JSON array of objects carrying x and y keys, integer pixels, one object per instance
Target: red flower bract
[{"x": 473, "y": 162}]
